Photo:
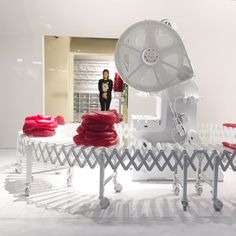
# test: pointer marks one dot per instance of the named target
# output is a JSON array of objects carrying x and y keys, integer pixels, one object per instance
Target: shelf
[
  {"x": 85, "y": 102},
  {"x": 86, "y": 76}
]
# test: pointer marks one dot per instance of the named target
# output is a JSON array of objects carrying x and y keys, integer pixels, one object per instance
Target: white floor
[{"x": 141, "y": 208}]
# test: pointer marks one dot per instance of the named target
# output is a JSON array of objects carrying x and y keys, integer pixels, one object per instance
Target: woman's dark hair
[{"x": 106, "y": 70}]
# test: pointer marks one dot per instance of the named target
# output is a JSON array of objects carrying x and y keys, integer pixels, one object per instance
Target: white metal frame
[{"x": 67, "y": 155}]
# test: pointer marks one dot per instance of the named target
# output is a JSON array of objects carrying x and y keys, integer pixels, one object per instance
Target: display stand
[{"x": 64, "y": 154}]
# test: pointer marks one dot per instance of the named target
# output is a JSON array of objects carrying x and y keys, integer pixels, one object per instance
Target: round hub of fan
[{"x": 150, "y": 56}]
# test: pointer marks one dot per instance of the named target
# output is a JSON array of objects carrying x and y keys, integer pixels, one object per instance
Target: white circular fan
[{"x": 150, "y": 56}]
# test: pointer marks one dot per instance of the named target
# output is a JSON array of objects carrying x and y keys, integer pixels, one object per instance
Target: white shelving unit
[
  {"x": 85, "y": 102},
  {"x": 87, "y": 72}
]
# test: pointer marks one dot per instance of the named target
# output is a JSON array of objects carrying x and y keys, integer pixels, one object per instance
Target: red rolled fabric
[
  {"x": 80, "y": 129},
  {"x": 105, "y": 133},
  {"x": 40, "y": 126},
  {"x": 97, "y": 126},
  {"x": 60, "y": 120},
  {"x": 94, "y": 139},
  {"x": 31, "y": 128},
  {"x": 118, "y": 118},
  {"x": 102, "y": 117},
  {"x": 230, "y": 125},
  {"x": 39, "y": 117},
  {"x": 91, "y": 133},
  {"x": 40, "y": 133},
  {"x": 29, "y": 125},
  {"x": 229, "y": 145},
  {"x": 97, "y": 129},
  {"x": 118, "y": 83},
  {"x": 99, "y": 143},
  {"x": 93, "y": 126}
]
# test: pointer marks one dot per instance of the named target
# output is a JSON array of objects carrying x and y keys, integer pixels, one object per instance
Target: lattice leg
[
  {"x": 198, "y": 185},
  {"x": 117, "y": 186},
  {"x": 176, "y": 187},
  {"x": 57, "y": 172},
  {"x": 70, "y": 173},
  {"x": 104, "y": 202},
  {"x": 217, "y": 204},
  {"x": 185, "y": 179},
  {"x": 19, "y": 157},
  {"x": 18, "y": 168},
  {"x": 29, "y": 153}
]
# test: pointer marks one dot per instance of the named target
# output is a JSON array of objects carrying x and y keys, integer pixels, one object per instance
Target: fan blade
[
  {"x": 130, "y": 47},
  {"x": 150, "y": 36}
]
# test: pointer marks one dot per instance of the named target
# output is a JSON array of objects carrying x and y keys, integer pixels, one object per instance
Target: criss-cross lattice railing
[
  {"x": 71, "y": 155},
  {"x": 65, "y": 153}
]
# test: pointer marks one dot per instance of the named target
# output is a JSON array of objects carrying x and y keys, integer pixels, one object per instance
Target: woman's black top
[{"x": 105, "y": 86}]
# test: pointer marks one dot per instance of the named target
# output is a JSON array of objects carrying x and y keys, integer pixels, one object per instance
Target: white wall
[
  {"x": 57, "y": 76},
  {"x": 207, "y": 26},
  {"x": 21, "y": 87}
]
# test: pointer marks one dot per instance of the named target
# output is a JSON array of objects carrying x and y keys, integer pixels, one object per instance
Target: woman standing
[{"x": 105, "y": 86}]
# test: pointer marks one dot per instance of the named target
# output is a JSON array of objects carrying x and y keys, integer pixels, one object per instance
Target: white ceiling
[{"x": 104, "y": 18}]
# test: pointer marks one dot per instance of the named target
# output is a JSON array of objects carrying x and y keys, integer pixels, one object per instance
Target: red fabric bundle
[
  {"x": 97, "y": 143},
  {"x": 118, "y": 118},
  {"x": 98, "y": 117},
  {"x": 97, "y": 129},
  {"x": 230, "y": 125},
  {"x": 60, "y": 120},
  {"x": 39, "y": 117},
  {"x": 229, "y": 145},
  {"x": 39, "y": 126},
  {"x": 40, "y": 133},
  {"x": 118, "y": 83}
]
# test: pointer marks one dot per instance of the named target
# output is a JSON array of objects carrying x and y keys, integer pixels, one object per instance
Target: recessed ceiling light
[
  {"x": 37, "y": 62},
  {"x": 19, "y": 60}
]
